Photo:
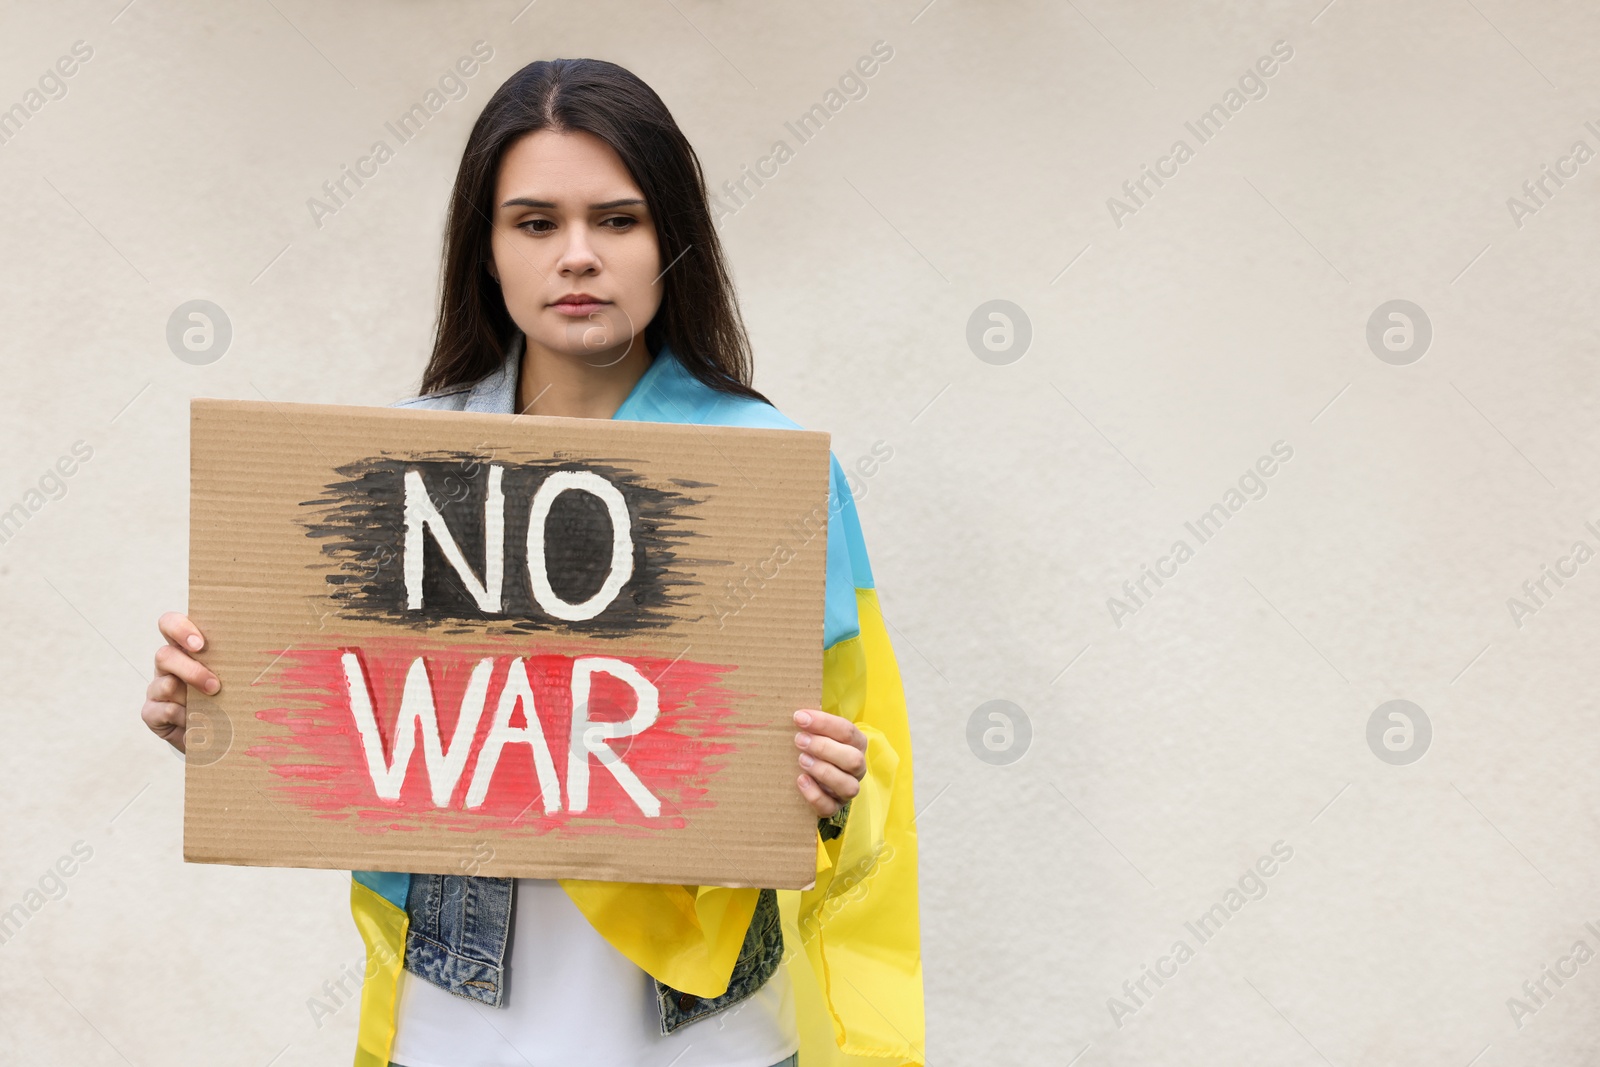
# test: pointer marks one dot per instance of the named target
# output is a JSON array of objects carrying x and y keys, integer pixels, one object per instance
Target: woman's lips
[{"x": 588, "y": 307}]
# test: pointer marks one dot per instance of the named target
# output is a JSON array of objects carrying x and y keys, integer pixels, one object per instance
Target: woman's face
[{"x": 569, "y": 219}]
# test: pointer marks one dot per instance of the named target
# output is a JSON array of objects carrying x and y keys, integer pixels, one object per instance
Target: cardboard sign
[{"x": 500, "y": 645}]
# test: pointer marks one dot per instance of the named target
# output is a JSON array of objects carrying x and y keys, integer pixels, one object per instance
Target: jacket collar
[{"x": 666, "y": 392}]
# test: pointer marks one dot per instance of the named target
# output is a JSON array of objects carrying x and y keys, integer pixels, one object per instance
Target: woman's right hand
[{"x": 166, "y": 701}]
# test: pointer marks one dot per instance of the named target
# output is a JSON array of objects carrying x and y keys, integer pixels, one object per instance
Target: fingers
[
  {"x": 168, "y": 689},
  {"x": 825, "y": 752},
  {"x": 165, "y": 709},
  {"x": 166, "y": 720},
  {"x": 835, "y": 726},
  {"x": 833, "y": 758},
  {"x": 832, "y": 750},
  {"x": 821, "y": 803},
  {"x": 838, "y": 782},
  {"x": 170, "y": 659},
  {"x": 177, "y": 628}
]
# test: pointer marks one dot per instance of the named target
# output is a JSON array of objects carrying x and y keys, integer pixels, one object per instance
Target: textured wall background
[{"x": 1148, "y": 758}]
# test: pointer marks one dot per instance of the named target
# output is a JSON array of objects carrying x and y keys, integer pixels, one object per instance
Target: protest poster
[{"x": 499, "y": 645}]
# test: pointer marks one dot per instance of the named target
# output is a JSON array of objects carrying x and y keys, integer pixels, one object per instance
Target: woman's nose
[{"x": 579, "y": 253}]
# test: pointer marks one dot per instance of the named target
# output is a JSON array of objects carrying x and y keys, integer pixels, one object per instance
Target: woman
[{"x": 583, "y": 278}]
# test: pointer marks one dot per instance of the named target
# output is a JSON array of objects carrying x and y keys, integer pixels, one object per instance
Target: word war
[{"x": 497, "y": 734}]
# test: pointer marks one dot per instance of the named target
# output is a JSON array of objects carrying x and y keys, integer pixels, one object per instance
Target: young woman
[{"x": 583, "y": 277}]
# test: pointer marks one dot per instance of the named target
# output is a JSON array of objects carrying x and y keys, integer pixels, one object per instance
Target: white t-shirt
[{"x": 572, "y": 998}]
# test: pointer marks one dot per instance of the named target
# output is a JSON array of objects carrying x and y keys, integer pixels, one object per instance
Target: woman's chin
[{"x": 597, "y": 350}]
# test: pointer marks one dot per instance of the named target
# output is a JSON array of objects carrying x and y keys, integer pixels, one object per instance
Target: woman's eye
[{"x": 616, "y": 222}]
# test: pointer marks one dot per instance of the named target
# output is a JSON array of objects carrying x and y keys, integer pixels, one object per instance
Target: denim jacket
[{"x": 459, "y": 925}]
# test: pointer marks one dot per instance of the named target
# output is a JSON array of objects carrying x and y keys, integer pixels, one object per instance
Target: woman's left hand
[{"x": 833, "y": 755}]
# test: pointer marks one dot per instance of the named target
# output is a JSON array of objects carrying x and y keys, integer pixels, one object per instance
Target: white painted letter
[
  {"x": 421, "y": 514},
  {"x": 590, "y": 738},
  {"x": 416, "y": 713},
  {"x": 621, "y": 544},
  {"x": 502, "y": 733}
]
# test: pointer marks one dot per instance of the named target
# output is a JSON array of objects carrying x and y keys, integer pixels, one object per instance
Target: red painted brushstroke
[{"x": 317, "y": 749}]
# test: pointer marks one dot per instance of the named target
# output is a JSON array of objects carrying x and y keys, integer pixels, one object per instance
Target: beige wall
[{"x": 1169, "y": 353}]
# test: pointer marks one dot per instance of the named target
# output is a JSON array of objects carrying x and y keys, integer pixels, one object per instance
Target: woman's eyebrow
[{"x": 523, "y": 201}]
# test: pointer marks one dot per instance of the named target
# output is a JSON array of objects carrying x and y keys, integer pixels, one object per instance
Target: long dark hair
[{"x": 698, "y": 317}]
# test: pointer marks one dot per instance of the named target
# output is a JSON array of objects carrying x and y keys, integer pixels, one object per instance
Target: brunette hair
[{"x": 699, "y": 317}]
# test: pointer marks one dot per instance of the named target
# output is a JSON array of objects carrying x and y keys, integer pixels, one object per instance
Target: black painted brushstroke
[{"x": 361, "y": 520}]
